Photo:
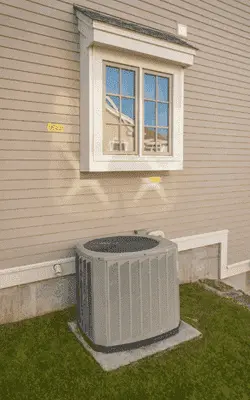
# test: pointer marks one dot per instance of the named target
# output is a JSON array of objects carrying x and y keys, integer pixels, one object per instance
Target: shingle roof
[{"x": 132, "y": 26}]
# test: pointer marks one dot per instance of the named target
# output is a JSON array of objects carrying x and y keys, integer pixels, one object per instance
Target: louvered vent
[
  {"x": 127, "y": 299},
  {"x": 84, "y": 294}
]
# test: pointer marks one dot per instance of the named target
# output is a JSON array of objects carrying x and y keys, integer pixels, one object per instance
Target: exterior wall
[
  {"x": 199, "y": 263},
  {"x": 46, "y": 206},
  {"x": 38, "y": 298},
  {"x": 241, "y": 281}
]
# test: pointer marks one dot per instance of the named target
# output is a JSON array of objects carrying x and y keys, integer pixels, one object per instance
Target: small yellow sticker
[
  {"x": 55, "y": 127},
  {"x": 155, "y": 179}
]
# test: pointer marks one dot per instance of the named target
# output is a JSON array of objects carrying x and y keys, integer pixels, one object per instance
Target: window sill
[{"x": 130, "y": 165}]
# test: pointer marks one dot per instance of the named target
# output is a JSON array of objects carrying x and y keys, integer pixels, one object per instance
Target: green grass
[{"x": 41, "y": 359}]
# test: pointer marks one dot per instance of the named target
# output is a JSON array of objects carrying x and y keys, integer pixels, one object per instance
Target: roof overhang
[{"x": 104, "y": 34}]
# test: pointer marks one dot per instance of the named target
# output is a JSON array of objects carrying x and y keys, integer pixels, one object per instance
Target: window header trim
[
  {"x": 132, "y": 26},
  {"x": 96, "y": 32}
]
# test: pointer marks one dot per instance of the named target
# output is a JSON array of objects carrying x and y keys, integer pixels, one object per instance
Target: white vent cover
[{"x": 127, "y": 291}]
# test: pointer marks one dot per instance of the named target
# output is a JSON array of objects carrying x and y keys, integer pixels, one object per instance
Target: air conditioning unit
[
  {"x": 127, "y": 291},
  {"x": 116, "y": 145}
]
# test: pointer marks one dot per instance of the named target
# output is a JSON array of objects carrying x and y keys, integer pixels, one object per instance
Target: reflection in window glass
[
  {"x": 112, "y": 80},
  {"x": 127, "y": 133},
  {"x": 149, "y": 139},
  {"x": 149, "y": 113},
  {"x": 110, "y": 137},
  {"x": 162, "y": 139},
  {"x": 149, "y": 86},
  {"x": 114, "y": 102},
  {"x": 156, "y": 113},
  {"x": 112, "y": 115},
  {"x": 128, "y": 83},
  {"x": 120, "y": 110},
  {"x": 128, "y": 110},
  {"x": 162, "y": 88},
  {"x": 162, "y": 117}
]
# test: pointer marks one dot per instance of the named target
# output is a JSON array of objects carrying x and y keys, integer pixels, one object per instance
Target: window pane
[
  {"x": 149, "y": 139},
  {"x": 149, "y": 113},
  {"x": 163, "y": 88},
  {"x": 112, "y": 111},
  {"x": 162, "y": 114},
  {"x": 162, "y": 139},
  {"x": 128, "y": 137},
  {"x": 112, "y": 80},
  {"x": 110, "y": 137},
  {"x": 113, "y": 102},
  {"x": 128, "y": 82},
  {"x": 128, "y": 110},
  {"x": 149, "y": 86}
]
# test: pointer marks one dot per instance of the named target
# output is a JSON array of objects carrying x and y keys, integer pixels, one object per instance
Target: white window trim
[{"x": 101, "y": 42}]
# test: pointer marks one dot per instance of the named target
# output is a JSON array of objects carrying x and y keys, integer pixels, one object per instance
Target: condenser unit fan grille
[{"x": 121, "y": 244}]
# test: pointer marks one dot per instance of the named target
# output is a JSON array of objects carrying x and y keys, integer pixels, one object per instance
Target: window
[
  {"x": 131, "y": 95},
  {"x": 120, "y": 110},
  {"x": 157, "y": 113}
]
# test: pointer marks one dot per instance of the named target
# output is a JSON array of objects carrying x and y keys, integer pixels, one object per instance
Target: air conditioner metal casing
[{"x": 126, "y": 300}]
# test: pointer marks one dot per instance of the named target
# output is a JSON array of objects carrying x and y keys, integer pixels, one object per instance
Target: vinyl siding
[{"x": 46, "y": 205}]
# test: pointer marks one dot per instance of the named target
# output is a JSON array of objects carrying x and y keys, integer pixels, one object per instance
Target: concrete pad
[{"x": 113, "y": 361}]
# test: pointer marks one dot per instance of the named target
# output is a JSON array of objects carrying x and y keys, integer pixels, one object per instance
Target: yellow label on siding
[
  {"x": 55, "y": 127},
  {"x": 155, "y": 179}
]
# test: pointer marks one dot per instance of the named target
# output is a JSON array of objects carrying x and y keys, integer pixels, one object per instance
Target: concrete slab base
[{"x": 113, "y": 361}]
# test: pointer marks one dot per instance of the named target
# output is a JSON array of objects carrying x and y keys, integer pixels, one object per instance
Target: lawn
[{"x": 41, "y": 359}]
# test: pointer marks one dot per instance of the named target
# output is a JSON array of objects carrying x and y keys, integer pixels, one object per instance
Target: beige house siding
[{"x": 46, "y": 206}]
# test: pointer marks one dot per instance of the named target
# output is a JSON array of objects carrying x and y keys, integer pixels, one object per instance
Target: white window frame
[
  {"x": 170, "y": 113},
  {"x": 120, "y": 66},
  {"x": 101, "y": 43}
]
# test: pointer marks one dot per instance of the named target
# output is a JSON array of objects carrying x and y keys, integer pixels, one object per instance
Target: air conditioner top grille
[{"x": 121, "y": 244}]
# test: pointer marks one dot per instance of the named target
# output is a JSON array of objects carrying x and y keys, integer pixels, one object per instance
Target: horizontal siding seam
[
  {"x": 36, "y": 33},
  {"x": 44, "y": 55},
  {"x": 19, "y": 7},
  {"x": 44, "y": 65},
  {"x": 40, "y": 44},
  {"x": 37, "y": 102},
  {"x": 42, "y": 75}
]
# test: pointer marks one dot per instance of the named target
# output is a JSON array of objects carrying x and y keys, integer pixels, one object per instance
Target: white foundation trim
[
  {"x": 238, "y": 268},
  {"x": 207, "y": 239},
  {"x": 35, "y": 272},
  {"x": 42, "y": 271}
]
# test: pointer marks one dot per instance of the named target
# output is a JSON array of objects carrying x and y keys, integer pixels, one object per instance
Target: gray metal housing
[{"x": 127, "y": 299}]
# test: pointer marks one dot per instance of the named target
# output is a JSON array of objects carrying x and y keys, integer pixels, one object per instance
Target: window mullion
[
  {"x": 140, "y": 100},
  {"x": 156, "y": 112},
  {"x": 120, "y": 108}
]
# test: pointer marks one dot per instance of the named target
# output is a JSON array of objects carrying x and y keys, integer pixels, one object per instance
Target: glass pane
[
  {"x": 112, "y": 112},
  {"x": 112, "y": 80},
  {"x": 113, "y": 102},
  {"x": 163, "y": 84},
  {"x": 149, "y": 139},
  {"x": 162, "y": 139},
  {"x": 128, "y": 111},
  {"x": 149, "y": 86},
  {"x": 110, "y": 137},
  {"x": 128, "y": 82},
  {"x": 162, "y": 114},
  {"x": 128, "y": 138},
  {"x": 149, "y": 113}
]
